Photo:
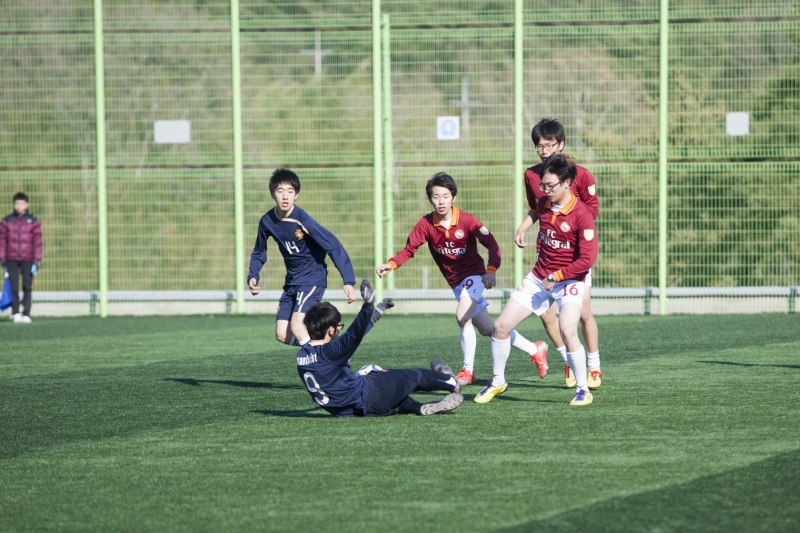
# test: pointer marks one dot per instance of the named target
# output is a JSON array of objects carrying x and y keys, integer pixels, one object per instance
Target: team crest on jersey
[
  {"x": 298, "y": 234},
  {"x": 484, "y": 230},
  {"x": 565, "y": 227},
  {"x": 588, "y": 234},
  {"x": 459, "y": 234}
]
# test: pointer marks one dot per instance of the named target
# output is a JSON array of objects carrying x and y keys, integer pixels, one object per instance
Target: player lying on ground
[
  {"x": 548, "y": 136},
  {"x": 452, "y": 236},
  {"x": 567, "y": 250},
  {"x": 303, "y": 243},
  {"x": 324, "y": 366}
]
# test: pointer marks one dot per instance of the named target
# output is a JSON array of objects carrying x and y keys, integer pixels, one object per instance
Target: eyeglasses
[
  {"x": 540, "y": 147},
  {"x": 340, "y": 325},
  {"x": 547, "y": 188}
]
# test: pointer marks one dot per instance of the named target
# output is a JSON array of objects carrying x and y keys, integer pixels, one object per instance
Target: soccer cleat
[
  {"x": 540, "y": 358},
  {"x": 595, "y": 379},
  {"x": 582, "y": 397},
  {"x": 445, "y": 405},
  {"x": 569, "y": 377},
  {"x": 25, "y": 319},
  {"x": 440, "y": 366},
  {"x": 465, "y": 377},
  {"x": 489, "y": 392},
  {"x": 16, "y": 317}
]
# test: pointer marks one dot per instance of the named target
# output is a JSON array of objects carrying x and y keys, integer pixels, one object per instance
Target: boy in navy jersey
[
  {"x": 324, "y": 366},
  {"x": 452, "y": 236},
  {"x": 548, "y": 136},
  {"x": 303, "y": 243},
  {"x": 567, "y": 244}
]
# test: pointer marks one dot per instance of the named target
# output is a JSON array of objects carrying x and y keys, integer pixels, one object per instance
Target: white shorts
[
  {"x": 472, "y": 287},
  {"x": 534, "y": 297}
]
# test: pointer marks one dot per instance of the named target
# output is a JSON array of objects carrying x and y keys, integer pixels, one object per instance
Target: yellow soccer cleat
[
  {"x": 582, "y": 397},
  {"x": 569, "y": 377},
  {"x": 489, "y": 392},
  {"x": 595, "y": 379}
]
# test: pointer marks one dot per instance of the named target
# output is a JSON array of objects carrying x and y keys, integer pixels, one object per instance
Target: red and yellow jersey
[
  {"x": 454, "y": 249},
  {"x": 583, "y": 186},
  {"x": 567, "y": 240}
]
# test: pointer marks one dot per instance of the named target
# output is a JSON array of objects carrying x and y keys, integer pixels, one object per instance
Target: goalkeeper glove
[
  {"x": 381, "y": 308},
  {"x": 368, "y": 293}
]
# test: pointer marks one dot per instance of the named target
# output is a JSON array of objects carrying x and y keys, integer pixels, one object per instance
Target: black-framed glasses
[
  {"x": 540, "y": 147},
  {"x": 340, "y": 325},
  {"x": 547, "y": 188}
]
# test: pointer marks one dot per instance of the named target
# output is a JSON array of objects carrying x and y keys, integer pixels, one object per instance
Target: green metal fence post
[
  {"x": 519, "y": 134},
  {"x": 388, "y": 153},
  {"x": 100, "y": 103},
  {"x": 238, "y": 182},
  {"x": 377, "y": 145},
  {"x": 663, "y": 108}
]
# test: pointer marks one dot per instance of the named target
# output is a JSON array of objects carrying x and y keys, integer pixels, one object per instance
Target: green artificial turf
[{"x": 202, "y": 424}]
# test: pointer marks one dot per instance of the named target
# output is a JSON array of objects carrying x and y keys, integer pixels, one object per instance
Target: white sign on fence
[
  {"x": 448, "y": 128},
  {"x": 172, "y": 131},
  {"x": 737, "y": 124}
]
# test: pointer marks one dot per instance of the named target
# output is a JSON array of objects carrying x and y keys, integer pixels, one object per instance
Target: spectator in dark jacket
[{"x": 20, "y": 253}]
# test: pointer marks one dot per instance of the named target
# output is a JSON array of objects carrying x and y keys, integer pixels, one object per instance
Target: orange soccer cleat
[
  {"x": 540, "y": 358},
  {"x": 465, "y": 377}
]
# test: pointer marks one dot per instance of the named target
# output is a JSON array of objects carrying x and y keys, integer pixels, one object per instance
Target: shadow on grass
[
  {"x": 247, "y": 384},
  {"x": 747, "y": 364},
  {"x": 300, "y": 413},
  {"x": 762, "y": 496}
]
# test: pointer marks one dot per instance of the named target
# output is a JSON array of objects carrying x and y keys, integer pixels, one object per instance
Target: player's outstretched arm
[{"x": 383, "y": 269}]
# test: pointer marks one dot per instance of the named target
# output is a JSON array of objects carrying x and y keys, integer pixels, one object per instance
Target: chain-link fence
[{"x": 733, "y": 122}]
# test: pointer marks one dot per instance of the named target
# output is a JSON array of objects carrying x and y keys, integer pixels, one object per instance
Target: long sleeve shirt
[{"x": 303, "y": 243}]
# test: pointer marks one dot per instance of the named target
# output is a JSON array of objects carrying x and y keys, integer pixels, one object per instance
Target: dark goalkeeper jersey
[
  {"x": 325, "y": 370},
  {"x": 303, "y": 243}
]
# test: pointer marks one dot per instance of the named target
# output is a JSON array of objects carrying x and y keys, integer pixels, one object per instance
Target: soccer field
[{"x": 202, "y": 424}]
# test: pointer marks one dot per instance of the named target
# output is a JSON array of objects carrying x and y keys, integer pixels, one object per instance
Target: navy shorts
[
  {"x": 389, "y": 390},
  {"x": 298, "y": 299}
]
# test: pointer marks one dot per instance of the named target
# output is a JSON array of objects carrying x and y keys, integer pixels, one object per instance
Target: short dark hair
[
  {"x": 548, "y": 128},
  {"x": 20, "y": 196},
  {"x": 283, "y": 175},
  {"x": 319, "y": 318},
  {"x": 441, "y": 179},
  {"x": 561, "y": 166}
]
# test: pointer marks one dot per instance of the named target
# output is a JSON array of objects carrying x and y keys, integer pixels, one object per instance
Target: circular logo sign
[{"x": 459, "y": 234}]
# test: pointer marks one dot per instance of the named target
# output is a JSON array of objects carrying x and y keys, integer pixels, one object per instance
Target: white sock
[
  {"x": 469, "y": 342},
  {"x": 594, "y": 360},
  {"x": 577, "y": 362},
  {"x": 304, "y": 341},
  {"x": 500, "y": 352},
  {"x": 563, "y": 352},
  {"x": 521, "y": 343}
]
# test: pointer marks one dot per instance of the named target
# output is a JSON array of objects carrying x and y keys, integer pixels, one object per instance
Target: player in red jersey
[
  {"x": 548, "y": 136},
  {"x": 567, "y": 250},
  {"x": 452, "y": 236}
]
